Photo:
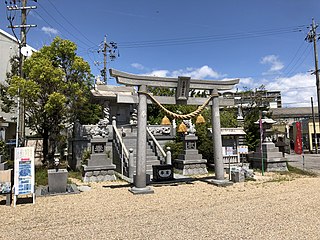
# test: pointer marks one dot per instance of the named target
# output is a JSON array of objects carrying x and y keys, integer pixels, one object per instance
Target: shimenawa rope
[{"x": 179, "y": 116}]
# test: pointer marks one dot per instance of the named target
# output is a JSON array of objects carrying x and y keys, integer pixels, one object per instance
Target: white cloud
[
  {"x": 137, "y": 66},
  {"x": 203, "y": 72},
  {"x": 296, "y": 91},
  {"x": 246, "y": 82},
  {"x": 275, "y": 64},
  {"x": 158, "y": 73},
  {"x": 50, "y": 31}
]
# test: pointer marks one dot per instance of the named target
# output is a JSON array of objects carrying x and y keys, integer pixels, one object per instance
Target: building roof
[
  {"x": 293, "y": 112},
  {"x": 102, "y": 90}
]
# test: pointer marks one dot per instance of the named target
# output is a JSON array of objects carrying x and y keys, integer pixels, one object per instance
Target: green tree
[
  {"x": 55, "y": 92},
  {"x": 228, "y": 118}
]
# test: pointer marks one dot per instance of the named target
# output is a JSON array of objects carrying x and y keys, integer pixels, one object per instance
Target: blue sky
[{"x": 260, "y": 42}]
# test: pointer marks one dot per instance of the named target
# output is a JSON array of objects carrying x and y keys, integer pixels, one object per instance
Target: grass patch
[
  {"x": 299, "y": 171},
  {"x": 41, "y": 176},
  {"x": 75, "y": 174},
  {"x": 280, "y": 178}
]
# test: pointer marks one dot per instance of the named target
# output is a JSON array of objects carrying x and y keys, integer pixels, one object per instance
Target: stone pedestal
[
  {"x": 57, "y": 180},
  {"x": 3, "y": 165},
  {"x": 190, "y": 162},
  {"x": 273, "y": 161},
  {"x": 100, "y": 167}
]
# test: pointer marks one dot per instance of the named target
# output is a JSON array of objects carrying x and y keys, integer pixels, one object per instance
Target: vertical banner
[
  {"x": 298, "y": 143},
  {"x": 24, "y": 173}
]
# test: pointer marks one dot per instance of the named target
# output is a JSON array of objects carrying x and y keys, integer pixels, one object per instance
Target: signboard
[
  {"x": 227, "y": 151},
  {"x": 24, "y": 173},
  {"x": 243, "y": 149}
]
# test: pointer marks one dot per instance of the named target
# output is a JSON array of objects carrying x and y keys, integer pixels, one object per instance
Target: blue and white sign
[{"x": 24, "y": 171}]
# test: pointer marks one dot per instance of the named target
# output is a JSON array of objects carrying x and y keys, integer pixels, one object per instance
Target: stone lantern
[{"x": 267, "y": 156}]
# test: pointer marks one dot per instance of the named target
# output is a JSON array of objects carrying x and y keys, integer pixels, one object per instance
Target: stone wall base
[
  {"x": 98, "y": 175},
  {"x": 191, "y": 169},
  {"x": 271, "y": 166}
]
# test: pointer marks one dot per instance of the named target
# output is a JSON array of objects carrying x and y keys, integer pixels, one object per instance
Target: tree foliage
[{"x": 55, "y": 91}]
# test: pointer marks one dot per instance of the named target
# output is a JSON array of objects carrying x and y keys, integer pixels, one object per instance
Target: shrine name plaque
[{"x": 98, "y": 148}]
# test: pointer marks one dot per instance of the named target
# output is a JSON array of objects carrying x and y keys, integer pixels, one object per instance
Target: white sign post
[{"x": 24, "y": 172}]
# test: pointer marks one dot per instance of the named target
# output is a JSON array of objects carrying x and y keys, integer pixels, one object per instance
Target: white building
[{"x": 9, "y": 47}]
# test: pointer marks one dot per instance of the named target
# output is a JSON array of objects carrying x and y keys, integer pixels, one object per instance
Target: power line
[
  {"x": 70, "y": 22},
  {"x": 294, "y": 56},
  {"x": 299, "y": 61},
  {"x": 209, "y": 38},
  {"x": 66, "y": 30},
  {"x": 48, "y": 22}
]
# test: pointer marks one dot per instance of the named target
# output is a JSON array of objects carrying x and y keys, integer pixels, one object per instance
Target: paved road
[{"x": 306, "y": 161}]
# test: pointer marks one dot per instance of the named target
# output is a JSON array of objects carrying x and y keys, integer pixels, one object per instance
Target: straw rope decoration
[{"x": 179, "y": 116}]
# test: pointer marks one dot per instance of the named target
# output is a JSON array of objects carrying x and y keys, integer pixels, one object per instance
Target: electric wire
[
  {"x": 206, "y": 39},
  {"x": 39, "y": 15},
  {"x": 66, "y": 30},
  {"x": 299, "y": 61},
  {"x": 74, "y": 27}
]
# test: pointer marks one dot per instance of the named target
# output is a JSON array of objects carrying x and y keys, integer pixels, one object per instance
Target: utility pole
[
  {"x": 105, "y": 46},
  {"x": 20, "y": 139},
  {"x": 108, "y": 49},
  {"x": 313, "y": 37}
]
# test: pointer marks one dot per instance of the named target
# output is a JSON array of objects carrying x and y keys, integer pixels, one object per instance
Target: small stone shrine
[
  {"x": 100, "y": 167},
  {"x": 190, "y": 162}
]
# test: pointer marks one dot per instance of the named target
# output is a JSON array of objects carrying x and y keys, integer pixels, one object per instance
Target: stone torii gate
[{"x": 182, "y": 86}]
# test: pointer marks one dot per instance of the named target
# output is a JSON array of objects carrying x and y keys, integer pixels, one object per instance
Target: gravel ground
[{"x": 285, "y": 208}]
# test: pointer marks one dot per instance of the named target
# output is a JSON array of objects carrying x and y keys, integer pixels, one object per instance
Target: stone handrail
[
  {"x": 119, "y": 140},
  {"x": 157, "y": 143}
]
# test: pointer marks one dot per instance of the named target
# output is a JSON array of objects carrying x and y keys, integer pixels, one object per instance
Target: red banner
[{"x": 298, "y": 143}]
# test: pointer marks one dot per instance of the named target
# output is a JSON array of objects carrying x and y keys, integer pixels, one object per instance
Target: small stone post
[
  {"x": 131, "y": 164},
  {"x": 114, "y": 121},
  {"x": 168, "y": 158}
]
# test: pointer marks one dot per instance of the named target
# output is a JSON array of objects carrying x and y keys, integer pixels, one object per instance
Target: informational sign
[
  {"x": 227, "y": 151},
  {"x": 23, "y": 171},
  {"x": 243, "y": 149}
]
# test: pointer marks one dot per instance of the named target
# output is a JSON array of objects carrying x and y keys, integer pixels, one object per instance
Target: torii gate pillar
[
  {"x": 216, "y": 138},
  {"x": 140, "y": 181}
]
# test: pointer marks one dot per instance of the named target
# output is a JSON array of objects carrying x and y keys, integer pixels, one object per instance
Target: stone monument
[
  {"x": 190, "y": 162},
  {"x": 99, "y": 167},
  {"x": 57, "y": 178}
]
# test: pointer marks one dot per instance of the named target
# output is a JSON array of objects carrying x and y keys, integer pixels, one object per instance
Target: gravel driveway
[{"x": 278, "y": 209}]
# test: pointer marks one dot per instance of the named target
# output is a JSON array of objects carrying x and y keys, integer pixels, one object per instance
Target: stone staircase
[{"x": 130, "y": 141}]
